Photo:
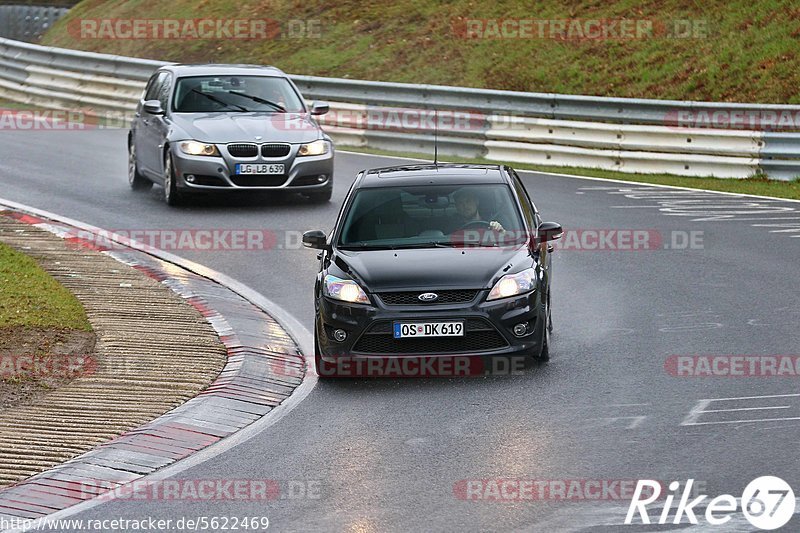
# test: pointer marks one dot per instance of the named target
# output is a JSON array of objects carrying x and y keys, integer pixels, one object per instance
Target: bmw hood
[
  {"x": 221, "y": 128},
  {"x": 431, "y": 268}
]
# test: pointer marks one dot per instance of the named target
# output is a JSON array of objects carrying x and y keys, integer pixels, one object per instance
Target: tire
[
  {"x": 544, "y": 353},
  {"x": 172, "y": 196},
  {"x": 320, "y": 197},
  {"x": 135, "y": 179},
  {"x": 321, "y": 366}
]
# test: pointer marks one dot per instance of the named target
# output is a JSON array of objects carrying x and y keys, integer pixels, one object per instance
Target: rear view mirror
[
  {"x": 320, "y": 108},
  {"x": 550, "y": 231},
  {"x": 315, "y": 239},
  {"x": 153, "y": 107}
]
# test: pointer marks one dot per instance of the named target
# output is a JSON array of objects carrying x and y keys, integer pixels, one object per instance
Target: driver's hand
[{"x": 496, "y": 226}]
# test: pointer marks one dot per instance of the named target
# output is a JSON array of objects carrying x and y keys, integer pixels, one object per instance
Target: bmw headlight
[
  {"x": 345, "y": 290},
  {"x": 198, "y": 148},
  {"x": 514, "y": 285},
  {"x": 319, "y": 147}
]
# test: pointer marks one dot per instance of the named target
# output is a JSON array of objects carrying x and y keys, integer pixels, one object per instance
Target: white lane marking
[
  {"x": 295, "y": 329},
  {"x": 751, "y": 397},
  {"x": 749, "y": 421},
  {"x": 747, "y": 409},
  {"x": 611, "y": 421},
  {"x": 700, "y": 409},
  {"x": 703, "y": 207}
]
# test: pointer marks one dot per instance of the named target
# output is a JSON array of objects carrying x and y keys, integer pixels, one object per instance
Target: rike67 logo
[{"x": 767, "y": 503}]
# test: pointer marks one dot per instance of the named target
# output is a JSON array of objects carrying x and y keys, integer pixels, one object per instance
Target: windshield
[
  {"x": 431, "y": 216},
  {"x": 263, "y": 94}
]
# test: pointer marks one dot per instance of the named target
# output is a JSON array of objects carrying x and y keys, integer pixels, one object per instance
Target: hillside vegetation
[{"x": 736, "y": 50}]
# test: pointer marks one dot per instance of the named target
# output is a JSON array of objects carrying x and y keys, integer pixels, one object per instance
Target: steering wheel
[{"x": 476, "y": 224}]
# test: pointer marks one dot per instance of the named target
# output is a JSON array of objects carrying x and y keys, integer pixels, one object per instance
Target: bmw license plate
[
  {"x": 258, "y": 168},
  {"x": 403, "y": 330}
]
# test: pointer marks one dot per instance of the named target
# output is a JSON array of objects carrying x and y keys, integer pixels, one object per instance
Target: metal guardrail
[
  {"x": 629, "y": 135},
  {"x": 28, "y": 22}
]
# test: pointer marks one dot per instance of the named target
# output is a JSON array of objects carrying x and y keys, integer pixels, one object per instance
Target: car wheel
[
  {"x": 136, "y": 180},
  {"x": 544, "y": 353},
  {"x": 320, "y": 197},
  {"x": 171, "y": 194}
]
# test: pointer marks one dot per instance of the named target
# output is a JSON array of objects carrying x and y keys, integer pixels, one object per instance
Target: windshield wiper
[
  {"x": 260, "y": 100},
  {"x": 222, "y": 102}
]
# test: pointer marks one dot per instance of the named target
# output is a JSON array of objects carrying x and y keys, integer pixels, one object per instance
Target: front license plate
[
  {"x": 404, "y": 330},
  {"x": 258, "y": 168}
]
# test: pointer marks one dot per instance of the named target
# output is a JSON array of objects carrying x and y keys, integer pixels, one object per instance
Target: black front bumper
[{"x": 488, "y": 328}]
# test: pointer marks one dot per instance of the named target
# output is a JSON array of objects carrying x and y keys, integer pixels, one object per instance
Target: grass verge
[
  {"x": 30, "y": 297},
  {"x": 42, "y": 325}
]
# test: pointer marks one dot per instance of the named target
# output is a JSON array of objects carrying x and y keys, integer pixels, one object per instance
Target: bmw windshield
[
  {"x": 431, "y": 216},
  {"x": 263, "y": 94}
]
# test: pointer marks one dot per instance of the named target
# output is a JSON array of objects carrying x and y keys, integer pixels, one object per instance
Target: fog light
[
  {"x": 520, "y": 329},
  {"x": 340, "y": 335},
  {"x": 322, "y": 177},
  {"x": 190, "y": 178}
]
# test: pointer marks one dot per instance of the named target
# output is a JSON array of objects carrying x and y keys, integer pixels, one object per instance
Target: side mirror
[
  {"x": 315, "y": 239},
  {"x": 153, "y": 107},
  {"x": 320, "y": 108},
  {"x": 550, "y": 231}
]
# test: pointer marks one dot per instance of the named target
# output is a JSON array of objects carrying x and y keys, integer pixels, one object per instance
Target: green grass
[
  {"x": 748, "y": 51},
  {"x": 30, "y": 297},
  {"x": 756, "y": 185},
  {"x": 8, "y": 104}
]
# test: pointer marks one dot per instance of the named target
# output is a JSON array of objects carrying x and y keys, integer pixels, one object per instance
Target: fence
[{"x": 629, "y": 135}]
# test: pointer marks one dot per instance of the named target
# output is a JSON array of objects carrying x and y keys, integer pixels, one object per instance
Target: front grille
[
  {"x": 479, "y": 336},
  {"x": 412, "y": 297},
  {"x": 258, "y": 180},
  {"x": 275, "y": 150},
  {"x": 243, "y": 150}
]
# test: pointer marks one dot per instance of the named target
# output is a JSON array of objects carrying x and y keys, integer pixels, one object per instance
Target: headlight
[
  {"x": 316, "y": 148},
  {"x": 345, "y": 290},
  {"x": 198, "y": 148},
  {"x": 514, "y": 285}
]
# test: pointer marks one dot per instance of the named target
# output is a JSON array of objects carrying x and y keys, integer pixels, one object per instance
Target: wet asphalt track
[{"x": 386, "y": 454}]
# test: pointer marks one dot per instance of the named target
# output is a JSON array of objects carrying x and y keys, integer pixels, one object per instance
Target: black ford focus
[{"x": 434, "y": 261}]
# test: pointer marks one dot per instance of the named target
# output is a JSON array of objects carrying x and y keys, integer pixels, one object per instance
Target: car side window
[
  {"x": 154, "y": 86},
  {"x": 527, "y": 208},
  {"x": 164, "y": 90}
]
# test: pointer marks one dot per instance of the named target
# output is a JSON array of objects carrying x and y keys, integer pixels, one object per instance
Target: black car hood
[
  {"x": 431, "y": 268},
  {"x": 221, "y": 128}
]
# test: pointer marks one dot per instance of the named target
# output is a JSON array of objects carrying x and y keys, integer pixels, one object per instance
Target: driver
[{"x": 467, "y": 208}]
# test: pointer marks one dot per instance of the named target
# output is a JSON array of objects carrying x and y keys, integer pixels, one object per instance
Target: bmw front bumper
[{"x": 218, "y": 173}]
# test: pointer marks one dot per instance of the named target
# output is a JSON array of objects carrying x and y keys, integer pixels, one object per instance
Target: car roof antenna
[{"x": 435, "y": 137}]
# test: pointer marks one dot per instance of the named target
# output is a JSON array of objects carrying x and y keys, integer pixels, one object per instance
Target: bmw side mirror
[
  {"x": 153, "y": 107},
  {"x": 320, "y": 108},
  {"x": 315, "y": 239},
  {"x": 550, "y": 231}
]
